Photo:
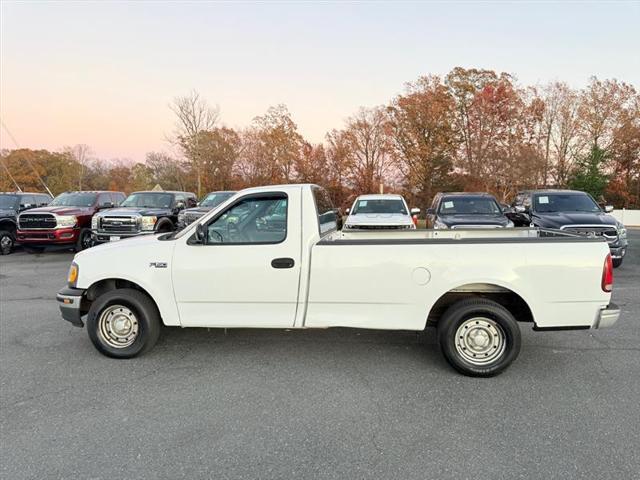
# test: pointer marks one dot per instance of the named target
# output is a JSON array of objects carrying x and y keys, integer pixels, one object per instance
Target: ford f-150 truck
[{"x": 239, "y": 267}]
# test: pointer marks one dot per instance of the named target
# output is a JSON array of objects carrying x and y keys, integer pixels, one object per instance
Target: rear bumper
[
  {"x": 70, "y": 304},
  {"x": 607, "y": 316},
  {"x": 58, "y": 236}
]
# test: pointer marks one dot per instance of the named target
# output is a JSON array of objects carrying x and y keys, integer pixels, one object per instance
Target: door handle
[{"x": 282, "y": 263}]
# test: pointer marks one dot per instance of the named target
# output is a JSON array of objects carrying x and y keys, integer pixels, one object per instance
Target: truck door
[{"x": 246, "y": 271}]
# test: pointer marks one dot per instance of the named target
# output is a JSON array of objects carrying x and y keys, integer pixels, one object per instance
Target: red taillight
[{"x": 607, "y": 274}]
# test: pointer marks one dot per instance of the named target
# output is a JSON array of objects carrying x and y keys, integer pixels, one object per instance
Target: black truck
[
  {"x": 11, "y": 204},
  {"x": 466, "y": 210},
  {"x": 210, "y": 201},
  {"x": 142, "y": 213},
  {"x": 572, "y": 211}
]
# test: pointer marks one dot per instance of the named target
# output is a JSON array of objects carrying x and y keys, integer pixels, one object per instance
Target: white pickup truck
[{"x": 271, "y": 257}]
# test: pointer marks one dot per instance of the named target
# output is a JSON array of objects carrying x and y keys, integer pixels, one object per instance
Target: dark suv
[
  {"x": 141, "y": 213},
  {"x": 572, "y": 211},
  {"x": 466, "y": 210},
  {"x": 11, "y": 204},
  {"x": 210, "y": 201},
  {"x": 65, "y": 221}
]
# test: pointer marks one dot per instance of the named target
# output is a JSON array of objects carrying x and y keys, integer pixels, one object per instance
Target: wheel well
[
  {"x": 8, "y": 225},
  {"x": 163, "y": 224},
  {"x": 108, "y": 284},
  {"x": 505, "y": 297}
]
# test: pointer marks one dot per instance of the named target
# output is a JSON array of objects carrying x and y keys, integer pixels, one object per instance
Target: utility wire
[{"x": 26, "y": 158}]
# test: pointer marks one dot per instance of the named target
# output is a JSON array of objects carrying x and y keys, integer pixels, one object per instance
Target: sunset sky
[{"x": 103, "y": 74}]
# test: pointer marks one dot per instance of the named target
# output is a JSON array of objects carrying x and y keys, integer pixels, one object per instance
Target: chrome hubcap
[
  {"x": 6, "y": 241},
  {"x": 480, "y": 341},
  {"x": 118, "y": 326}
]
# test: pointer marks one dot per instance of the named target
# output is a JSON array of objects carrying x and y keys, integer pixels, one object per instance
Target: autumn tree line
[{"x": 473, "y": 130}]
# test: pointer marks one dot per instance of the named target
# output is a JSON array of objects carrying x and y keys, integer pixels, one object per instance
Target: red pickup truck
[{"x": 65, "y": 221}]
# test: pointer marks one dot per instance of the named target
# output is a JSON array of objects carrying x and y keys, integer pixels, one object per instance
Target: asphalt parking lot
[{"x": 309, "y": 404}]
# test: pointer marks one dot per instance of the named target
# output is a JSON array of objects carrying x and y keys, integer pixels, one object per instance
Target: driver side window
[{"x": 252, "y": 220}]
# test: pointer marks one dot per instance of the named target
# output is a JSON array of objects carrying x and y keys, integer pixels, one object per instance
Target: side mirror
[
  {"x": 347, "y": 211},
  {"x": 608, "y": 208},
  {"x": 431, "y": 211},
  {"x": 197, "y": 204},
  {"x": 415, "y": 211},
  {"x": 201, "y": 233}
]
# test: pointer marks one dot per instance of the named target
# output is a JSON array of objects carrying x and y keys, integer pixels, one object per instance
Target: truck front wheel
[
  {"x": 123, "y": 323},
  {"x": 479, "y": 337},
  {"x": 7, "y": 240}
]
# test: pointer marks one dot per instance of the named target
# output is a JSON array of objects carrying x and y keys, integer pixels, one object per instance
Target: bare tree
[
  {"x": 80, "y": 153},
  {"x": 194, "y": 116}
]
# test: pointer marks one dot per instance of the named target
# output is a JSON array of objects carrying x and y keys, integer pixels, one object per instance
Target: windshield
[
  {"x": 214, "y": 199},
  {"x": 388, "y": 206},
  {"x": 148, "y": 200},
  {"x": 469, "y": 206},
  {"x": 8, "y": 201},
  {"x": 80, "y": 199},
  {"x": 562, "y": 202}
]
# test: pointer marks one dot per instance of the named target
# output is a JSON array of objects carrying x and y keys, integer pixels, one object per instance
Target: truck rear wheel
[
  {"x": 123, "y": 323},
  {"x": 479, "y": 337}
]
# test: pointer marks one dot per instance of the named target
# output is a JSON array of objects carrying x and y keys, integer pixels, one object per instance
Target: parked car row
[
  {"x": 572, "y": 211},
  {"x": 81, "y": 219}
]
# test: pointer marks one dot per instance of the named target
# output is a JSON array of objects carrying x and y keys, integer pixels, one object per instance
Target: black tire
[
  {"x": 490, "y": 317},
  {"x": 617, "y": 262},
  {"x": 7, "y": 242},
  {"x": 165, "y": 227},
  {"x": 85, "y": 240},
  {"x": 147, "y": 316}
]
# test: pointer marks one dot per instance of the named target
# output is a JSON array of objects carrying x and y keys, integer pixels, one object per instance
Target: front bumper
[
  {"x": 102, "y": 237},
  {"x": 58, "y": 236},
  {"x": 618, "y": 252},
  {"x": 607, "y": 316},
  {"x": 70, "y": 304}
]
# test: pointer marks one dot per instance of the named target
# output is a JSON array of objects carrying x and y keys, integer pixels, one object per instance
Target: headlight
[
  {"x": 66, "y": 220},
  {"x": 94, "y": 222},
  {"x": 439, "y": 224},
  {"x": 622, "y": 231},
  {"x": 148, "y": 223},
  {"x": 72, "y": 277}
]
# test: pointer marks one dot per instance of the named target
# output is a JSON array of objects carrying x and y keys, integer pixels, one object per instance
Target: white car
[
  {"x": 380, "y": 212},
  {"x": 271, "y": 257}
]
